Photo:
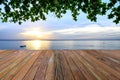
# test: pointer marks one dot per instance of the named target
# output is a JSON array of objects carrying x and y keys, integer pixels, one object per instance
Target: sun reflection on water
[{"x": 37, "y": 44}]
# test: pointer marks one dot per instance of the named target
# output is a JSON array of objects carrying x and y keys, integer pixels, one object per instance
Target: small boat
[{"x": 23, "y": 46}]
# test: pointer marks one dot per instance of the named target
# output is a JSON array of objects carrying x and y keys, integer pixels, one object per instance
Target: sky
[{"x": 64, "y": 28}]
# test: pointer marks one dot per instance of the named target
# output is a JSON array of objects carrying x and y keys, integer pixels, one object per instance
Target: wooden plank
[
  {"x": 108, "y": 60},
  {"x": 115, "y": 53},
  {"x": 5, "y": 53},
  {"x": 18, "y": 65},
  {"x": 26, "y": 67},
  {"x": 41, "y": 72},
  {"x": 60, "y": 64},
  {"x": 7, "y": 69},
  {"x": 2, "y": 66},
  {"x": 78, "y": 75},
  {"x": 111, "y": 53},
  {"x": 32, "y": 71},
  {"x": 110, "y": 71},
  {"x": 67, "y": 73},
  {"x": 1, "y": 51},
  {"x": 58, "y": 72},
  {"x": 91, "y": 67},
  {"x": 83, "y": 67},
  {"x": 9, "y": 57},
  {"x": 50, "y": 68}
]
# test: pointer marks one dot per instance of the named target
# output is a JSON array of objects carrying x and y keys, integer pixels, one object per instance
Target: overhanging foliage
[{"x": 23, "y": 10}]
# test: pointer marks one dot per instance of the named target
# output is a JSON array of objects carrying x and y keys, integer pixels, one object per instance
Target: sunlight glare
[
  {"x": 37, "y": 44},
  {"x": 35, "y": 32}
]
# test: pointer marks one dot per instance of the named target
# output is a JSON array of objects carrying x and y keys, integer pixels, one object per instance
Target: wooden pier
[{"x": 60, "y": 65}]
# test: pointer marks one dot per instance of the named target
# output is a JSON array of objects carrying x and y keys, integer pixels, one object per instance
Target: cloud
[
  {"x": 90, "y": 31},
  {"x": 65, "y": 28},
  {"x": 94, "y": 28}
]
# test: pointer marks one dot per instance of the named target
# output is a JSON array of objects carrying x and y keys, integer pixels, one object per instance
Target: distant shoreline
[{"x": 58, "y": 39}]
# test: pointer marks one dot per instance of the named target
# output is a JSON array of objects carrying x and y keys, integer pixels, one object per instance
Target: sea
[{"x": 59, "y": 44}]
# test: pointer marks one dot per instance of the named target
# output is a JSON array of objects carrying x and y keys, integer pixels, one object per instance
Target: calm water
[{"x": 43, "y": 45}]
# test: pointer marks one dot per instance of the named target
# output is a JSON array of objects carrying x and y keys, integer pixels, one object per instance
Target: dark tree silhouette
[{"x": 23, "y": 10}]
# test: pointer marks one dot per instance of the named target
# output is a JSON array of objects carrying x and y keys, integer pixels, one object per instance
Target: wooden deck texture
[{"x": 60, "y": 65}]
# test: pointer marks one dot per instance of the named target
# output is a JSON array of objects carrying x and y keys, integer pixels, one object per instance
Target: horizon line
[{"x": 51, "y": 39}]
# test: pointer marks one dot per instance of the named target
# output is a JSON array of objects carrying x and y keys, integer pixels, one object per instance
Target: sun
[
  {"x": 36, "y": 33},
  {"x": 33, "y": 32}
]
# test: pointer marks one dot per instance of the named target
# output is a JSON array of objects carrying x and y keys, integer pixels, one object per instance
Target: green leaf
[{"x": 22, "y": 10}]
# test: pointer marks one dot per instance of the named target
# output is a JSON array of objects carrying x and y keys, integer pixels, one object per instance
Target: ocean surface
[{"x": 60, "y": 44}]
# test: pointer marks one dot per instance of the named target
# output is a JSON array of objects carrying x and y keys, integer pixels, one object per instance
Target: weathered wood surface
[{"x": 60, "y": 65}]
